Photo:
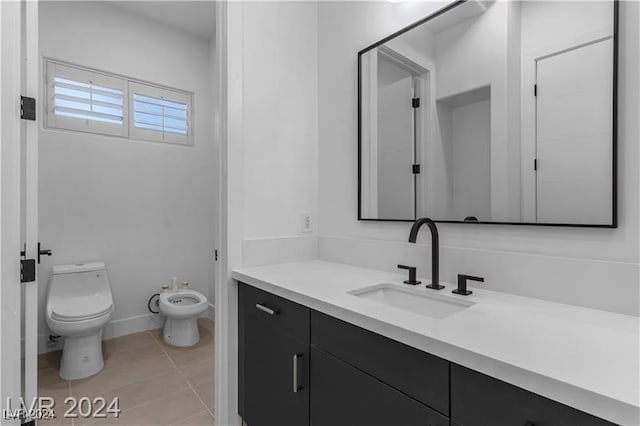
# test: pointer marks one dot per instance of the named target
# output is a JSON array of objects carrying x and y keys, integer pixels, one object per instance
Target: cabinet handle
[
  {"x": 296, "y": 386},
  {"x": 266, "y": 309},
  {"x": 529, "y": 424}
]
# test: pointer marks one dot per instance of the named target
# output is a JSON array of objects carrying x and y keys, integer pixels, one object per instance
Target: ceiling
[{"x": 195, "y": 17}]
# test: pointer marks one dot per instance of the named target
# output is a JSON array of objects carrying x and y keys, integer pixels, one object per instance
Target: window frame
[
  {"x": 159, "y": 92},
  {"x": 130, "y": 86},
  {"x": 55, "y": 69}
]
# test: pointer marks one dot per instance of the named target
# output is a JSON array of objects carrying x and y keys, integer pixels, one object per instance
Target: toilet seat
[{"x": 81, "y": 308}]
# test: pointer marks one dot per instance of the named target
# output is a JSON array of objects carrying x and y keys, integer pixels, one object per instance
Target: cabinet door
[
  {"x": 480, "y": 400},
  {"x": 346, "y": 396},
  {"x": 274, "y": 374}
]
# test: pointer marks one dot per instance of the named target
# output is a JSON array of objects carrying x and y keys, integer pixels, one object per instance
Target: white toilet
[
  {"x": 79, "y": 305},
  {"x": 182, "y": 308}
]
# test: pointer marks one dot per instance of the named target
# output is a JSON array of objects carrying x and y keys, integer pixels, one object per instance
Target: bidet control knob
[
  {"x": 165, "y": 287},
  {"x": 184, "y": 284}
]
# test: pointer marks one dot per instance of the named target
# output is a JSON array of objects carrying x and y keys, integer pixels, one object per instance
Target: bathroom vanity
[{"x": 320, "y": 344}]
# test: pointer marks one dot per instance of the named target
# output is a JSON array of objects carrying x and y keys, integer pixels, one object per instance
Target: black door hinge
[
  {"x": 535, "y": 164},
  {"x": 415, "y": 102},
  {"x": 415, "y": 169},
  {"x": 27, "y": 270},
  {"x": 27, "y": 108},
  {"x": 215, "y": 254},
  {"x": 535, "y": 90}
]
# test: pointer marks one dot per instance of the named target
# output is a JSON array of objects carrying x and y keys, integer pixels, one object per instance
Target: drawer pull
[
  {"x": 296, "y": 385},
  {"x": 266, "y": 309}
]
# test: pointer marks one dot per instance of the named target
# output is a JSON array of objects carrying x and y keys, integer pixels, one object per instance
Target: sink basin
[{"x": 414, "y": 300}]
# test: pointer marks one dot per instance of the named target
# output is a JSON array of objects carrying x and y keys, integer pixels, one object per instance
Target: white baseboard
[{"x": 116, "y": 328}]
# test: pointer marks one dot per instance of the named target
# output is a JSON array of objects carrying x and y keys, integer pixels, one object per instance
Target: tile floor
[{"x": 156, "y": 384}]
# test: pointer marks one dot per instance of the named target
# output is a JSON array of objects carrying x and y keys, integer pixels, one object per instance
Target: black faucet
[
  {"x": 412, "y": 275},
  {"x": 462, "y": 284},
  {"x": 413, "y": 235}
]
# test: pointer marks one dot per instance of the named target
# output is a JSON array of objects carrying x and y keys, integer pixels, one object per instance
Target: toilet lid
[{"x": 81, "y": 308}]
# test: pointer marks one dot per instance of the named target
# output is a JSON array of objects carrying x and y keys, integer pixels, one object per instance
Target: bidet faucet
[{"x": 413, "y": 236}]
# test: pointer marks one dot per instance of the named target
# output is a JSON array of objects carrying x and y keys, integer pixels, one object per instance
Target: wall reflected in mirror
[{"x": 494, "y": 111}]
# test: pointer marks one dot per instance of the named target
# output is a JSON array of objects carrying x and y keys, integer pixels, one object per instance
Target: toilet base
[
  {"x": 81, "y": 356},
  {"x": 181, "y": 332}
]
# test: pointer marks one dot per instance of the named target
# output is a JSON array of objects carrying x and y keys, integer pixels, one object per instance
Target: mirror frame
[{"x": 614, "y": 181}]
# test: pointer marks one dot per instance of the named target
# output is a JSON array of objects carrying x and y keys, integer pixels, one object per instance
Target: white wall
[
  {"x": 216, "y": 165},
  {"x": 279, "y": 117},
  {"x": 144, "y": 208},
  {"x": 549, "y": 263},
  {"x": 271, "y": 104},
  {"x": 471, "y": 149}
]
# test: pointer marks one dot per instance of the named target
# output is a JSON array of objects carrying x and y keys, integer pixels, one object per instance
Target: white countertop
[{"x": 581, "y": 357}]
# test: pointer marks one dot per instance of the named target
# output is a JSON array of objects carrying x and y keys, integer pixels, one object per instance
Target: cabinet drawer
[
  {"x": 480, "y": 400},
  {"x": 276, "y": 313},
  {"x": 345, "y": 396},
  {"x": 420, "y": 375}
]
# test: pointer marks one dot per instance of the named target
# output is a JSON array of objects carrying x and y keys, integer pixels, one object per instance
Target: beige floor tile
[
  {"x": 164, "y": 411},
  {"x": 198, "y": 373},
  {"x": 207, "y": 323},
  {"x": 59, "y": 392},
  {"x": 49, "y": 359},
  {"x": 157, "y": 334},
  {"x": 143, "y": 391},
  {"x": 140, "y": 369},
  {"x": 148, "y": 390},
  {"x": 192, "y": 356},
  {"x": 202, "y": 419},
  {"x": 205, "y": 392},
  {"x": 48, "y": 376},
  {"x": 130, "y": 341},
  {"x": 206, "y": 340},
  {"x": 116, "y": 377},
  {"x": 116, "y": 358}
]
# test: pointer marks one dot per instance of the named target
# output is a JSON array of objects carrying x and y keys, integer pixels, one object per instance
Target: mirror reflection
[{"x": 494, "y": 111}]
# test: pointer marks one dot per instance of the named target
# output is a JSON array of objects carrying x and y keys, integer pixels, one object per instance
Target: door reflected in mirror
[{"x": 492, "y": 111}]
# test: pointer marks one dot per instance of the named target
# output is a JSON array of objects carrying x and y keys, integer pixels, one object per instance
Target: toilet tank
[{"x": 79, "y": 279}]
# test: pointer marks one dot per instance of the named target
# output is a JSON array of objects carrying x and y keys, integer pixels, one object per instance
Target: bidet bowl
[{"x": 182, "y": 304}]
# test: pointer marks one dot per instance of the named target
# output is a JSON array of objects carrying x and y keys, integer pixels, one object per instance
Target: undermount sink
[{"x": 414, "y": 300}]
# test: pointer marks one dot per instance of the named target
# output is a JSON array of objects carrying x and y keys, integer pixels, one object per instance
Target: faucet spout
[{"x": 435, "y": 248}]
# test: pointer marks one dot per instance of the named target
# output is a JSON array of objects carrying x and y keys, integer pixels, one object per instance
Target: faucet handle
[
  {"x": 412, "y": 274},
  {"x": 462, "y": 284}
]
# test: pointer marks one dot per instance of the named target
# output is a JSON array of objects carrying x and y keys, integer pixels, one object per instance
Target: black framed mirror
[{"x": 492, "y": 112}]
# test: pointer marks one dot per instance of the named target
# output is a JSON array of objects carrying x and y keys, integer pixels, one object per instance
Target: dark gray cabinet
[
  {"x": 300, "y": 367},
  {"x": 422, "y": 376},
  {"x": 345, "y": 396},
  {"x": 273, "y": 360},
  {"x": 480, "y": 400}
]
